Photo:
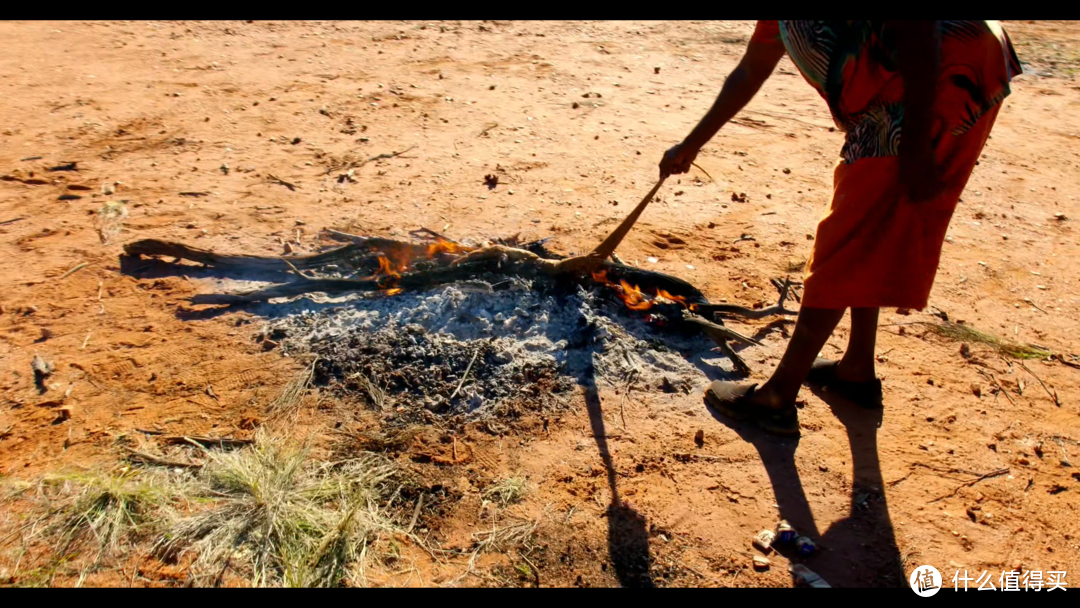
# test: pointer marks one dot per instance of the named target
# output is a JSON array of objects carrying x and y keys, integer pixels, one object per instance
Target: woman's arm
[
  {"x": 918, "y": 47},
  {"x": 740, "y": 87}
]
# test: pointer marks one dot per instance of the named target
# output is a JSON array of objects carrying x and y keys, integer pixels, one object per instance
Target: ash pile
[
  {"x": 473, "y": 349},
  {"x": 441, "y": 328}
]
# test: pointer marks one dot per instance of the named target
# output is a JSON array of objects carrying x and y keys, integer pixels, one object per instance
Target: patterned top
[{"x": 852, "y": 64}]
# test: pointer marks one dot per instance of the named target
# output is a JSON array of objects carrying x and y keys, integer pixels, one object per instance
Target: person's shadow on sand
[
  {"x": 628, "y": 536},
  {"x": 859, "y": 550}
]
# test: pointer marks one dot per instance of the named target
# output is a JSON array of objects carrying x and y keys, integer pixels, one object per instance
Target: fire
[
  {"x": 633, "y": 296},
  {"x": 386, "y": 269},
  {"x": 667, "y": 296},
  {"x": 443, "y": 246},
  {"x": 394, "y": 260}
]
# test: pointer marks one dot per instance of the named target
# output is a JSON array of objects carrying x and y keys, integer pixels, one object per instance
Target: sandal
[
  {"x": 733, "y": 400},
  {"x": 864, "y": 394}
]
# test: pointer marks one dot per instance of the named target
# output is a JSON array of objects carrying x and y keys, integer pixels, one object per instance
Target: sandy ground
[{"x": 573, "y": 117}]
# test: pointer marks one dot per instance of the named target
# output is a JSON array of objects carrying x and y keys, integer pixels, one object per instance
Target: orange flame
[
  {"x": 385, "y": 268},
  {"x": 674, "y": 298},
  {"x": 442, "y": 246},
  {"x": 395, "y": 260},
  {"x": 633, "y": 296}
]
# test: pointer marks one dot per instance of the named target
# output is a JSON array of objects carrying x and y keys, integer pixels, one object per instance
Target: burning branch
[
  {"x": 394, "y": 266},
  {"x": 750, "y": 313}
]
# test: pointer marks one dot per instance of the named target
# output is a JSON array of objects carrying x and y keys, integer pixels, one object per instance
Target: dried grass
[
  {"x": 278, "y": 518},
  {"x": 287, "y": 404},
  {"x": 507, "y": 492},
  {"x": 965, "y": 333}
]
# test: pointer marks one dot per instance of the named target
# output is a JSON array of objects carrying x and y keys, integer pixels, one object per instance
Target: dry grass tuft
[
  {"x": 279, "y": 518},
  {"x": 965, "y": 333},
  {"x": 507, "y": 492}
]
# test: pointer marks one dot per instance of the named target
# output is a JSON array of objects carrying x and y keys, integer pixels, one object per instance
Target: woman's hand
[{"x": 678, "y": 159}]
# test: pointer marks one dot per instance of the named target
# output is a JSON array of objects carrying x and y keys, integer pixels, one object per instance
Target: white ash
[{"x": 528, "y": 334}]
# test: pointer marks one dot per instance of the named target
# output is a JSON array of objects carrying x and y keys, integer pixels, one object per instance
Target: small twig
[
  {"x": 736, "y": 360},
  {"x": 416, "y": 514},
  {"x": 87, "y": 340},
  {"x": 297, "y": 270},
  {"x": 277, "y": 180},
  {"x": 151, "y": 459},
  {"x": 1048, "y": 392},
  {"x": 703, "y": 171},
  {"x": 431, "y": 233},
  {"x": 683, "y": 456},
  {"x": 1061, "y": 444},
  {"x": 77, "y": 268},
  {"x": 190, "y": 193},
  {"x": 536, "y": 571},
  {"x": 707, "y": 310},
  {"x": 345, "y": 236},
  {"x": 357, "y": 165},
  {"x": 466, "y": 375},
  {"x": 942, "y": 470},
  {"x": 989, "y": 475},
  {"x": 488, "y": 127},
  {"x": 993, "y": 380},
  {"x": 1034, "y": 305},
  {"x": 203, "y": 441},
  {"x": 1062, "y": 359},
  {"x": 896, "y": 482},
  {"x": 718, "y": 333},
  {"x": 12, "y": 221}
]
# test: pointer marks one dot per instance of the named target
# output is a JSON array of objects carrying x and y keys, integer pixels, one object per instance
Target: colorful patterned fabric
[
  {"x": 852, "y": 64},
  {"x": 876, "y": 249}
]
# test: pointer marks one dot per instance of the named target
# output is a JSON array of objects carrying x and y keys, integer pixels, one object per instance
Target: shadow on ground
[{"x": 859, "y": 550}]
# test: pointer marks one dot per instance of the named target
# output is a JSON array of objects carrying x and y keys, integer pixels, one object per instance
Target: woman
[{"x": 940, "y": 84}]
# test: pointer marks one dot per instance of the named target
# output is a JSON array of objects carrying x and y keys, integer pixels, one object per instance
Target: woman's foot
[
  {"x": 745, "y": 402},
  {"x": 862, "y": 389}
]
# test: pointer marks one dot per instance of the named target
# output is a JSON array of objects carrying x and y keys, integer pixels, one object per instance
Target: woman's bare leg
[
  {"x": 812, "y": 330},
  {"x": 857, "y": 365}
]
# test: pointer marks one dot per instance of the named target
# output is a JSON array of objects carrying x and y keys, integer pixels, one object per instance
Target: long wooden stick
[{"x": 607, "y": 247}]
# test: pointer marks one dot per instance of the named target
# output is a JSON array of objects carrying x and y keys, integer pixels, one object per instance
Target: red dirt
[{"x": 572, "y": 118}]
